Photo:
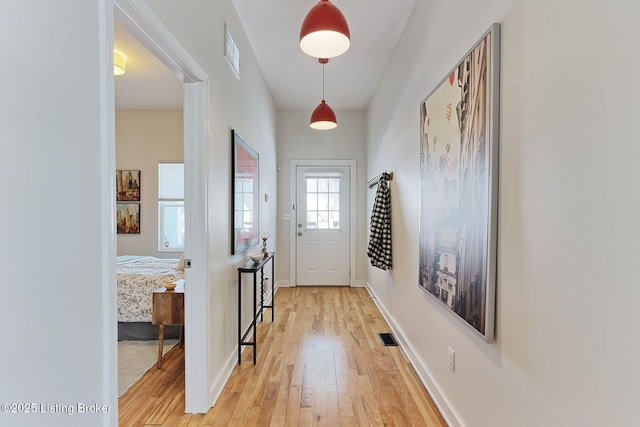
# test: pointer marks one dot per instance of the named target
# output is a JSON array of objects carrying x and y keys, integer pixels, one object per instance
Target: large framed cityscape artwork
[{"x": 459, "y": 127}]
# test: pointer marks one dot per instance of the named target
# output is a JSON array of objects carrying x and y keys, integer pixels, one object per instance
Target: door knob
[{"x": 299, "y": 233}]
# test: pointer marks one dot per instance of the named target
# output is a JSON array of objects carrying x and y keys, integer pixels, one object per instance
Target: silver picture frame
[{"x": 459, "y": 146}]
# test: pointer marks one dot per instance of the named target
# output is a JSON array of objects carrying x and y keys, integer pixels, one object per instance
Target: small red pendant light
[
  {"x": 324, "y": 32},
  {"x": 323, "y": 117}
]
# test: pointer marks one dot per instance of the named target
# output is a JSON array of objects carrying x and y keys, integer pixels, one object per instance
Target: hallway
[{"x": 320, "y": 363}]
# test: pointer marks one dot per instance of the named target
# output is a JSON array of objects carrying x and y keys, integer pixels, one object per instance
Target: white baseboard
[
  {"x": 283, "y": 284},
  {"x": 287, "y": 284},
  {"x": 221, "y": 381},
  {"x": 423, "y": 372}
]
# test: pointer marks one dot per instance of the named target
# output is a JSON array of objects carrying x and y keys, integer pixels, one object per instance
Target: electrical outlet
[
  {"x": 452, "y": 360},
  {"x": 286, "y": 217}
]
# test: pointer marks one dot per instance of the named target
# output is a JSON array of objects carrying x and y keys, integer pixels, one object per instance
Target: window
[
  {"x": 171, "y": 207},
  {"x": 323, "y": 203},
  {"x": 231, "y": 51}
]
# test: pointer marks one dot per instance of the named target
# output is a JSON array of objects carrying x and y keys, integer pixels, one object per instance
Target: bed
[{"x": 138, "y": 277}]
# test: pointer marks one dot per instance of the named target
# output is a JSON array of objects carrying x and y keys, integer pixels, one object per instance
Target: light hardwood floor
[{"x": 321, "y": 363}]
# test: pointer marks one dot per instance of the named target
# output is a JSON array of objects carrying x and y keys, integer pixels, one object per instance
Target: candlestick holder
[{"x": 265, "y": 235}]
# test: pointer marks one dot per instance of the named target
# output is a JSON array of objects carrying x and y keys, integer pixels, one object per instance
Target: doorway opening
[{"x": 138, "y": 20}]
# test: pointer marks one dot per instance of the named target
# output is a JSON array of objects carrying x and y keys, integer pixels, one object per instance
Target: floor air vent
[{"x": 388, "y": 339}]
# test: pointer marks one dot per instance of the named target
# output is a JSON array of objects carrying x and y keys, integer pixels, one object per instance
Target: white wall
[
  {"x": 244, "y": 104},
  {"x": 52, "y": 182},
  {"x": 569, "y": 239},
  {"x": 297, "y": 141},
  {"x": 56, "y": 173},
  {"x": 143, "y": 139}
]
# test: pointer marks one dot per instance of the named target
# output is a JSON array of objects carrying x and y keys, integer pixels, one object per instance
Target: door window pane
[
  {"x": 312, "y": 185},
  {"x": 312, "y": 219},
  {"x": 334, "y": 202},
  {"x": 334, "y": 219},
  {"x": 323, "y": 203},
  {"x": 312, "y": 202},
  {"x": 323, "y": 185},
  {"x": 323, "y": 219}
]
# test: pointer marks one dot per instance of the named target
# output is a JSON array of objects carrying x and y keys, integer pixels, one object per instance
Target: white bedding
[{"x": 138, "y": 277}]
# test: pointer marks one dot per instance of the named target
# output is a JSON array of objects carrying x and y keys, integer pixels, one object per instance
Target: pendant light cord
[{"x": 323, "y": 82}]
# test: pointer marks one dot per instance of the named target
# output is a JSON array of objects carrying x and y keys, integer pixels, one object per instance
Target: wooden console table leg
[{"x": 161, "y": 343}]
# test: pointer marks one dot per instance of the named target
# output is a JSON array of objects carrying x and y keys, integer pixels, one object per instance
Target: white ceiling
[
  {"x": 294, "y": 78},
  {"x": 148, "y": 84}
]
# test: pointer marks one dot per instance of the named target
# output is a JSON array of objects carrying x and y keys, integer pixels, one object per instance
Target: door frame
[
  {"x": 139, "y": 19},
  {"x": 293, "y": 243}
]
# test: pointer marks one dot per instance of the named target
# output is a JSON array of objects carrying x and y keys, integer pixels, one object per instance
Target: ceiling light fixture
[
  {"x": 119, "y": 61},
  {"x": 323, "y": 117},
  {"x": 324, "y": 32}
]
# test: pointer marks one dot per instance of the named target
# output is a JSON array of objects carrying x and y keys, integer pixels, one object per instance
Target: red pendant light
[
  {"x": 324, "y": 32},
  {"x": 323, "y": 117}
]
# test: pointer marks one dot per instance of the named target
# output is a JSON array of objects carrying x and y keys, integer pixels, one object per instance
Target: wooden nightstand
[{"x": 168, "y": 309}]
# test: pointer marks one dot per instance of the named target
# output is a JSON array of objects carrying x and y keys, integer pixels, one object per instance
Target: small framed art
[
  {"x": 128, "y": 218},
  {"x": 128, "y": 185}
]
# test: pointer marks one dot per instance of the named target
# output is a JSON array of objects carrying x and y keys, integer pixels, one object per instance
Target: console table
[
  {"x": 253, "y": 268},
  {"x": 168, "y": 309}
]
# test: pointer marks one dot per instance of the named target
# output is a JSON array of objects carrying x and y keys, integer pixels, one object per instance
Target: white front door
[{"x": 322, "y": 223}]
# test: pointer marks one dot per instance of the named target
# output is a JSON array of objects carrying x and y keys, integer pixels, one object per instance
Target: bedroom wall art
[
  {"x": 128, "y": 185},
  {"x": 459, "y": 127},
  {"x": 244, "y": 194},
  {"x": 128, "y": 218},
  {"x": 128, "y": 190}
]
